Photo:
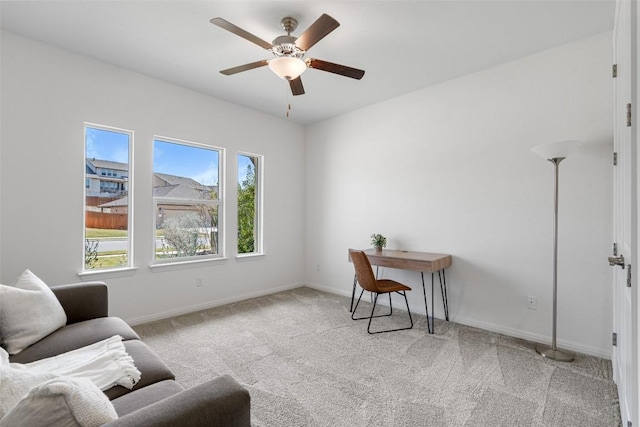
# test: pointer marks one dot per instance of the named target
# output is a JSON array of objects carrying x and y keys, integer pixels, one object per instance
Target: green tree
[
  {"x": 247, "y": 212},
  {"x": 209, "y": 217}
]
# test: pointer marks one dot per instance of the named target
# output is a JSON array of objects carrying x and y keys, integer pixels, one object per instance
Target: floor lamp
[{"x": 555, "y": 152}]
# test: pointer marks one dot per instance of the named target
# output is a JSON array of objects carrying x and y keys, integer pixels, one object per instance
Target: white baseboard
[
  {"x": 530, "y": 336},
  {"x": 328, "y": 290},
  {"x": 512, "y": 332},
  {"x": 209, "y": 304}
]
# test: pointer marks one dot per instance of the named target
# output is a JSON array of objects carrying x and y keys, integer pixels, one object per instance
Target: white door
[{"x": 624, "y": 356}]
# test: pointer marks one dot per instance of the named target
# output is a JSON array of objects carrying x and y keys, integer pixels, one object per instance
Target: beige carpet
[{"x": 306, "y": 363}]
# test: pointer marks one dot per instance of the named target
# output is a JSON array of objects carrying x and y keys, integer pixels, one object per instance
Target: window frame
[
  {"x": 130, "y": 265},
  {"x": 258, "y": 245},
  {"x": 168, "y": 262}
]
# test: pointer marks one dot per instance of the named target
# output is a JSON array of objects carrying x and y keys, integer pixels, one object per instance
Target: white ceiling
[{"x": 402, "y": 45}]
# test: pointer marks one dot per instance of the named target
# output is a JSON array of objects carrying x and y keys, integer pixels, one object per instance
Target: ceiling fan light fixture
[{"x": 287, "y": 67}]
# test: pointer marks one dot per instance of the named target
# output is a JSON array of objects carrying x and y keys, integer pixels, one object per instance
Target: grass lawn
[{"x": 98, "y": 233}]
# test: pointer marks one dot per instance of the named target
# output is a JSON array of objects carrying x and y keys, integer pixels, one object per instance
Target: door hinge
[
  {"x": 614, "y": 340},
  {"x": 628, "y": 275},
  {"x": 628, "y": 114},
  {"x": 614, "y": 70},
  {"x": 615, "y": 249},
  {"x": 615, "y": 159}
]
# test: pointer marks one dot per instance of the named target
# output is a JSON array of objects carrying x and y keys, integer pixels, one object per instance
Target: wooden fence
[
  {"x": 95, "y": 200},
  {"x": 109, "y": 221}
]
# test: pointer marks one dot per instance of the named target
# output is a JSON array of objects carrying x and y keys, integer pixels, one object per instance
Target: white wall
[
  {"x": 48, "y": 93},
  {"x": 446, "y": 169},
  {"x": 449, "y": 169}
]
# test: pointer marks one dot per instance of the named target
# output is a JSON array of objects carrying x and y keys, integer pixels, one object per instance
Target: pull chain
[{"x": 288, "y": 107}]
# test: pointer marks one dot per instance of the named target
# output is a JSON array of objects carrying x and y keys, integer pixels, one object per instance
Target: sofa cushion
[
  {"x": 62, "y": 402},
  {"x": 72, "y": 337},
  {"x": 148, "y": 363},
  {"x": 220, "y": 402},
  {"x": 131, "y": 402},
  {"x": 83, "y": 301},
  {"x": 29, "y": 311}
]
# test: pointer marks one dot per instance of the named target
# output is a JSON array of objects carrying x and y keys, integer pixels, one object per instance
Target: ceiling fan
[{"x": 288, "y": 51}]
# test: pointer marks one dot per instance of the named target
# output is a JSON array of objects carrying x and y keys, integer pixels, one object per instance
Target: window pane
[
  {"x": 107, "y": 240},
  {"x": 248, "y": 204},
  {"x": 187, "y": 200},
  {"x": 184, "y": 171},
  {"x": 186, "y": 231}
]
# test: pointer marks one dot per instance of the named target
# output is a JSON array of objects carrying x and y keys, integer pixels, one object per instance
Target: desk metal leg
[
  {"x": 443, "y": 290},
  {"x": 433, "y": 309},
  {"x": 426, "y": 306}
]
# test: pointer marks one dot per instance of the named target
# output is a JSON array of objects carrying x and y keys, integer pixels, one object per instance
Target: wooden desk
[{"x": 414, "y": 261}]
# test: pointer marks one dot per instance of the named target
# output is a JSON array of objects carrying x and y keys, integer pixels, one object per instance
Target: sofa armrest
[
  {"x": 83, "y": 301},
  {"x": 219, "y": 402}
]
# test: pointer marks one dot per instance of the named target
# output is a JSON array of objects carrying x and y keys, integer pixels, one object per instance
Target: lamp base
[{"x": 549, "y": 353}]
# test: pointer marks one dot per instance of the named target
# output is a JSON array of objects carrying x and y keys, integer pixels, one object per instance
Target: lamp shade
[
  {"x": 287, "y": 67},
  {"x": 556, "y": 149}
]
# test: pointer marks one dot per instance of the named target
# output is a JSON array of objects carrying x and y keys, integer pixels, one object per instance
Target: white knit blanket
[{"x": 105, "y": 363}]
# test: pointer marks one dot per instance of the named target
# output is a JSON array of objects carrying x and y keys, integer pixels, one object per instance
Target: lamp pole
[{"x": 546, "y": 351}]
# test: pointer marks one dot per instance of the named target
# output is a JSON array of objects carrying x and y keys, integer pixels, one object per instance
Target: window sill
[
  {"x": 105, "y": 274},
  {"x": 179, "y": 265},
  {"x": 250, "y": 257}
]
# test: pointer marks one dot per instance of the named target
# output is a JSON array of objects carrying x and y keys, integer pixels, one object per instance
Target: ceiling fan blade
[
  {"x": 343, "y": 70},
  {"x": 240, "y": 32},
  {"x": 317, "y": 31},
  {"x": 245, "y": 67},
  {"x": 296, "y": 86}
]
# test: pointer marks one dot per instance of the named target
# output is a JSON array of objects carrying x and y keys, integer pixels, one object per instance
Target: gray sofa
[{"x": 157, "y": 399}]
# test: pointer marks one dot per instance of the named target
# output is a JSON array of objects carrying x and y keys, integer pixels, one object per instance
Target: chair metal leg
[
  {"x": 375, "y": 295},
  {"x": 371, "y": 316},
  {"x": 375, "y": 300},
  {"x": 406, "y": 301},
  {"x": 391, "y": 330}
]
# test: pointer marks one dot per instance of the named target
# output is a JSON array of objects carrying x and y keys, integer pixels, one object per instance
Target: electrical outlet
[
  {"x": 199, "y": 283},
  {"x": 532, "y": 303},
  {"x": 318, "y": 267}
]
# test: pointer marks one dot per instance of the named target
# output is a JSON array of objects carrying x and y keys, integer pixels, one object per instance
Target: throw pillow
[
  {"x": 62, "y": 402},
  {"x": 29, "y": 311}
]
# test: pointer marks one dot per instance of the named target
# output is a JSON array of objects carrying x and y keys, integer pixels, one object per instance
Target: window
[
  {"x": 187, "y": 200},
  {"x": 107, "y": 212},
  {"x": 249, "y": 203}
]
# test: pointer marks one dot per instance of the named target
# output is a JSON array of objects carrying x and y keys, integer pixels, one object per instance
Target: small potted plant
[{"x": 378, "y": 241}]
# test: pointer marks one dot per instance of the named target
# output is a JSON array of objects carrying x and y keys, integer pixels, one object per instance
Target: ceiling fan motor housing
[{"x": 286, "y": 46}]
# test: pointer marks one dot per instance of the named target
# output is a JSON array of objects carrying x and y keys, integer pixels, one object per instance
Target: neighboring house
[
  {"x": 118, "y": 206},
  {"x": 108, "y": 179},
  {"x": 178, "y": 187},
  {"x": 104, "y": 178}
]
